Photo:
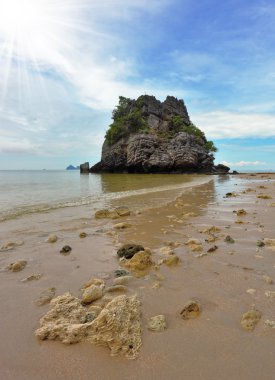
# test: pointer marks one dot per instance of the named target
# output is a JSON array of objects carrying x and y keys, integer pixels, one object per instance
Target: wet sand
[{"x": 212, "y": 346}]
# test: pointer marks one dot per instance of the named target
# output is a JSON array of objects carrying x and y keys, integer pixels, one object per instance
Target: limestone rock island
[{"x": 149, "y": 136}]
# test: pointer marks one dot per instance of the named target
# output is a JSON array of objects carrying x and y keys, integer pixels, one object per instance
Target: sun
[
  {"x": 36, "y": 30},
  {"x": 20, "y": 17}
]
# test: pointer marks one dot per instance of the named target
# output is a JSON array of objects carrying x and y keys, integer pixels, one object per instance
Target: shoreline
[{"x": 219, "y": 280}]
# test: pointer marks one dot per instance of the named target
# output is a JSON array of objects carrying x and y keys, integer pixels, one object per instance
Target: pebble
[
  {"x": 252, "y": 292},
  {"x": 212, "y": 249},
  {"x": 171, "y": 260},
  {"x": 229, "y": 239},
  {"x": 92, "y": 293},
  {"x": 122, "y": 225},
  {"x": 268, "y": 279},
  {"x": 93, "y": 281},
  {"x": 66, "y": 250},
  {"x": 264, "y": 196},
  {"x": 157, "y": 323},
  {"x": 250, "y": 319},
  {"x": 260, "y": 243},
  {"x": 32, "y": 277},
  {"x": 269, "y": 294},
  {"x": 121, "y": 272},
  {"x": 82, "y": 235},
  {"x": 52, "y": 239},
  {"x": 191, "y": 310},
  {"x": 129, "y": 250},
  {"x": 17, "y": 266},
  {"x": 116, "y": 288},
  {"x": 270, "y": 323},
  {"x": 122, "y": 280},
  {"x": 10, "y": 245},
  {"x": 241, "y": 212}
]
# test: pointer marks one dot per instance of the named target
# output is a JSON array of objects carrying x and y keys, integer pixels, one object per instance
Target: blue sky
[{"x": 64, "y": 64}]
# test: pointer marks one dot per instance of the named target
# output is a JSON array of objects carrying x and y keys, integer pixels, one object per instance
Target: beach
[{"x": 220, "y": 228}]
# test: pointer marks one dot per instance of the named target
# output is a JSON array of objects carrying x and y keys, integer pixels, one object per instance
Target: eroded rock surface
[
  {"x": 150, "y": 136},
  {"x": 117, "y": 325}
]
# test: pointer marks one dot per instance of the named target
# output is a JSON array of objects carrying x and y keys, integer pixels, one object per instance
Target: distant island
[
  {"x": 150, "y": 136},
  {"x": 71, "y": 167}
]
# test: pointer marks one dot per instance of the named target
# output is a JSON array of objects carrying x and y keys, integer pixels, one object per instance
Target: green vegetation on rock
[{"x": 127, "y": 119}]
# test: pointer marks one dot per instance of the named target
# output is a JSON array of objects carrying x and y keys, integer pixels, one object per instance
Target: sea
[{"x": 35, "y": 191}]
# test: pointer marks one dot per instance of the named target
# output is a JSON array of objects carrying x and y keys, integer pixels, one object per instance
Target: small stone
[
  {"x": 270, "y": 323},
  {"x": 252, "y": 292},
  {"x": 116, "y": 288},
  {"x": 17, "y": 266},
  {"x": 212, "y": 249},
  {"x": 230, "y": 195},
  {"x": 264, "y": 196},
  {"x": 268, "y": 279},
  {"x": 66, "y": 250},
  {"x": 10, "y": 245},
  {"x": 120, "y": 272},
  {"x": 32, "y": 277},
  {"x": 194, "y": 244},
  {"x": 140, "y": 262},
  {"x": 166, "y": 250},
  {"x": 250, "y": 319},
  {"x": 260, "y": 243},
  {"x": 92, "y": 293},
  {"x": 229, "y": 239},
  {"x": 241, "y": 212},
  {"x": 82, "y": 235},
  {"x": 129, "y": 250},
  {"x": 211, "y": 230},
  {"x": 93, "y": 281},
  {"x": 269, "y": 294},
  {"x": 52, "y": 239},
  {"x": 157, "y": 323},
  {"x": 122, "y": 225},
  {"x": 102, "y": 214},
  {"x": 270, "y": 243},
  {"x": 171, "y": 260},
  {"x": 123, "y": 211},
  {"x": 156, "y": 285},
  {"x": 191, "y": 310},
  {"x": 123, "y": 280},
  {"x": 45, "y": 297}
]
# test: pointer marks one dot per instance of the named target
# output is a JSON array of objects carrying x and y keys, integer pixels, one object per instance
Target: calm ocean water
[{"x": 24, "y": 192}]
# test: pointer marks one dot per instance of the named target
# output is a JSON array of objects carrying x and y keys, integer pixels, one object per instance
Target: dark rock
[
  {"x": 221, "y": 169},
  {"x": 129, "y": 250},
  {"x": 65, "y": 250},
  {"x": 84, "y": 168},
  {"x": 229, "y": 239},
  {"x": 191, "y": 310},
  {"x": 166, "y": 142},
  {"x": 121, "y": 272},
  {"x": 235, "y": 172},
  {"x": 260, "y": 243}
]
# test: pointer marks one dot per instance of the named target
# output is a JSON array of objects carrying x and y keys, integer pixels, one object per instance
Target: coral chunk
[{"x": 117, "y": 326}]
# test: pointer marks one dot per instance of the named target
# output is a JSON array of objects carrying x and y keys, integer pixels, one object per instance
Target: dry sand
[{"x": 212, "y": 346}]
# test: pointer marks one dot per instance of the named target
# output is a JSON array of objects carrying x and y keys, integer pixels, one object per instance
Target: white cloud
[
  {"x": 244, "y": 163},
  {"x": 223, "y": 124}
]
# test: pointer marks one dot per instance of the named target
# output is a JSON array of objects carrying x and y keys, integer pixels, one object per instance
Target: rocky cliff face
[{"x": 148, "y": 136}]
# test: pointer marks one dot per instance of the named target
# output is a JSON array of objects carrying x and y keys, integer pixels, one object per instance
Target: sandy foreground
[{"x": 234, "y": 278}]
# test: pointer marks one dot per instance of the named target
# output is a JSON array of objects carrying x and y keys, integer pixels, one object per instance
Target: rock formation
[{"x": 148, "y": 136}]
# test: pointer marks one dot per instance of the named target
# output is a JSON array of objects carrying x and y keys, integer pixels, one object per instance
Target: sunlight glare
[{"x": 20, "y": 16}]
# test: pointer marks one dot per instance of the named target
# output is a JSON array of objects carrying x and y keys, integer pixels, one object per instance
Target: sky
[{"x": 64, "y": 63}]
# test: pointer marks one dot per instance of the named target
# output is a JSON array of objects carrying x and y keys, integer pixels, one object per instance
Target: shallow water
[{"x": 25, "y": 192}]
